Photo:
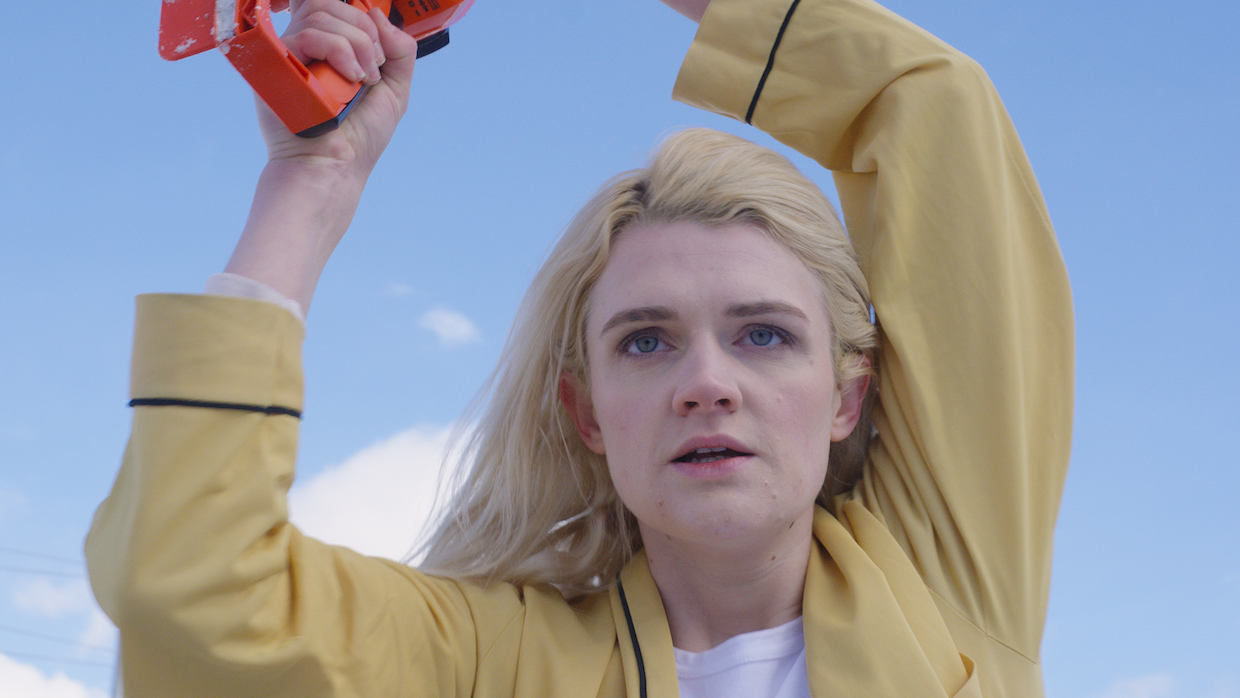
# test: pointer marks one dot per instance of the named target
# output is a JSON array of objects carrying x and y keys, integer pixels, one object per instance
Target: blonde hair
[{"x": 535, "y": 505}]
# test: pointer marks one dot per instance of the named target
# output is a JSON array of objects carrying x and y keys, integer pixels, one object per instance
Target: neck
[{"x": 711, "y": 594}]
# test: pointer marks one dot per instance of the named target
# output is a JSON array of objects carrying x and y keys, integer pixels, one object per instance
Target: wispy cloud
[
  {"x": 1159, "y": 685},
  {"x": 395, "y": 289},
  {"x": 99, "y": 632},
  {"x": 53, "y": 599},
  {"x": 451, "y": 327},
  {"x": 377, "y": 501},
  {"x": 26, "y": 681},
  {"x": 57, "y": 599}
]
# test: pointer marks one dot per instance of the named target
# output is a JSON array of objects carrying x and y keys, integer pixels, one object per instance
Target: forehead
[{"x": 702, "y": 266}]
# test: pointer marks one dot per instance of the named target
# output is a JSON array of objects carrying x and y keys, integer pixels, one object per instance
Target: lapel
[
  {"x": 871, "y": 626},
  {"x": 649, "y": 626}
]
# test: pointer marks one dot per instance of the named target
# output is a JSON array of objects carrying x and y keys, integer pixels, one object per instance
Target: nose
[{"x": 706, "y": 382}]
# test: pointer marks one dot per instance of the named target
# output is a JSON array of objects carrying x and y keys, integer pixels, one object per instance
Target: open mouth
[{"x": 709, "y": 455}]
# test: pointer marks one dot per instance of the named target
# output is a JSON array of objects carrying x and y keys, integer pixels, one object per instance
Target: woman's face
[{"x": 712, "y": 389}]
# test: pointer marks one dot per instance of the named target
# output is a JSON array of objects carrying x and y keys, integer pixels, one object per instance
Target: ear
[
  {"x": 581, "y": 409},
  {"x": 852, "y": 399}
]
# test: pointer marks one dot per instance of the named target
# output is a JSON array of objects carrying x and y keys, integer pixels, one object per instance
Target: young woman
[{"x": 678, "y": 485}]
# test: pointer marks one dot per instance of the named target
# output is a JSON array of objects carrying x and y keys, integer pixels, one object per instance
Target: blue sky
[{"x": 125, "y": 174}]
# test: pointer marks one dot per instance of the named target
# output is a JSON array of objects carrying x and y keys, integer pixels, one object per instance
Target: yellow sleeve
[
  {"x": 968, "y": 284},
  {"x": 193, "y": 558}
]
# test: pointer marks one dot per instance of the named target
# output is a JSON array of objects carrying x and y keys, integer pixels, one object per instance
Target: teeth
[{"x": 707, "y": 454}]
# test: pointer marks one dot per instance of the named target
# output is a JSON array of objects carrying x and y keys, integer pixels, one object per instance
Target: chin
[{"x": 715, "y": 521}]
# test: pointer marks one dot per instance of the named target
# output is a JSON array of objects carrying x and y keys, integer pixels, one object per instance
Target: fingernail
[
  {"x": 380, "y": 54},
  {"x": 359, "y": 73}
]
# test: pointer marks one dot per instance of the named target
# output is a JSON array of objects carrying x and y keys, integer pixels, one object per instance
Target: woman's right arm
[{"x": 192, "y": 554}]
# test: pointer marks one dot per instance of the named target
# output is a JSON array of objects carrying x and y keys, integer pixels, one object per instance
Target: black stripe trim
[
  {"x": 770, "y": 61},
  {"x": 174, "y": 402},
  {"x": 637, "y": 648}
]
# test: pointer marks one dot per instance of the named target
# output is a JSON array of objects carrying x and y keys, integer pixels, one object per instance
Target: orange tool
[{"x": 310, "y": 99}]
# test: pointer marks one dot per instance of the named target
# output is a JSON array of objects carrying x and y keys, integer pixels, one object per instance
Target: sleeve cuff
[
  {"x": 226, "y": 284},
  {"x": 216, "y": 349},
  {"x": 725, "y": 64}
]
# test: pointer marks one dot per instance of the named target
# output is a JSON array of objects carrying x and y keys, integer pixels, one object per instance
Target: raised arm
[
  {"x": 192, "y": 554},
  {"x": 310, "y": 188},
  {"x": 976, "y": 374}
]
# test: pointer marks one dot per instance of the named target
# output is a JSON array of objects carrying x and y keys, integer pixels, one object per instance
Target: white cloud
[
  {"x": 24, "y": 681},
  {"x": 378, "y": 500},
  {"x": 1153, "y": 686},
  {"x": 99, "y": 632},
  {"x": 47, "y": 598},
  {"x": 52, "y": 599},
  {"x": 396, "y": 289},
  {"x": 450, "y": 327}
]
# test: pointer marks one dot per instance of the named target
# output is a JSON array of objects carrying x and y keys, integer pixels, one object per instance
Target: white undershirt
[
  {"x": 225, "y": 284},
  {"x": 767, "y": 662}
]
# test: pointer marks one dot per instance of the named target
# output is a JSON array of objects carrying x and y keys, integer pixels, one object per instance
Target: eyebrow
[
  {"x": 743, "y": 310},
  {"x": 654, "y": 313},
  {"x": 659, "y": 313}
]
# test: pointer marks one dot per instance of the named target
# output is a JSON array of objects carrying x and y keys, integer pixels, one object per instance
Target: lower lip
[{"x": 713, "y": 469}]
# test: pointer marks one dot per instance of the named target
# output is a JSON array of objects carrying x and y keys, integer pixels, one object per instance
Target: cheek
[
  {"x": 625, "y": 405},
  {"x": 809, "y": 414},
  {"x": 628, "y": 431}
]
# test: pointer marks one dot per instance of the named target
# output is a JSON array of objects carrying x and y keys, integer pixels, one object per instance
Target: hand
[
  {"x": 693, "y": 9},
  {"x": 357, "y": 45},
  {"x": 309, "y": 190}
]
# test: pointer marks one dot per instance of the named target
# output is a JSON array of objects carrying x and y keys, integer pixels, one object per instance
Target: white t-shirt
[{"x": 765, "y": 663}]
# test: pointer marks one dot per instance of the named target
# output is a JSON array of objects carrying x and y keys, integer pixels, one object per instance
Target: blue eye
[
  {"x": 762, "y": 337},
  {"x": 646, "y": 345},
  {"x": 643, "y": 344},
  {"x": 766, "y": 336}
]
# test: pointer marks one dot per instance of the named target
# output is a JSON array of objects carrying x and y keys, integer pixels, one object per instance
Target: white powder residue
[
  {"x": 184, "y": 45},
  {"x": 225, "y": 20}
]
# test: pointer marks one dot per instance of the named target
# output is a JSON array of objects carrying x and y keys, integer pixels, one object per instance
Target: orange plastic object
[
  {"x": 309, "y": 99},
  {"x": 425, "y": 17}
]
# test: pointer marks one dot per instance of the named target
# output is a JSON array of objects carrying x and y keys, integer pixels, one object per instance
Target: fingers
[
  {"x": 342, "y": 35},
  {"x": 399, "y": 49}
]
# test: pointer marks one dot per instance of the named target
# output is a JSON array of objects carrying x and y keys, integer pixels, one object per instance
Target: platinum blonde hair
[{"x": 534, "y": 504}]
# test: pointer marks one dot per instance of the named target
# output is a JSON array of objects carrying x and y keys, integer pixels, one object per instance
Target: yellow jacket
[{"x": 932, "y": 580}]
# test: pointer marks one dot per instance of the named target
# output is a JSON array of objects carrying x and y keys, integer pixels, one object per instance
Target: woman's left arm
[{"x": 967, "y": 281}]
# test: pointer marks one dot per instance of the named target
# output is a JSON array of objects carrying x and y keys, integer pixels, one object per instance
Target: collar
[{"x": 871, "y": 626}]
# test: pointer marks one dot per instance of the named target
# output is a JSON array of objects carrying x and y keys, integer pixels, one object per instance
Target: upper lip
[{"x": 710, "y": 442}]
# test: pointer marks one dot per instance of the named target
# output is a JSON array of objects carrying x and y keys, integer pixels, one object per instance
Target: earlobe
[
  {"x": 581, "y": 409},
  {"x": 852, "y": 400}
]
